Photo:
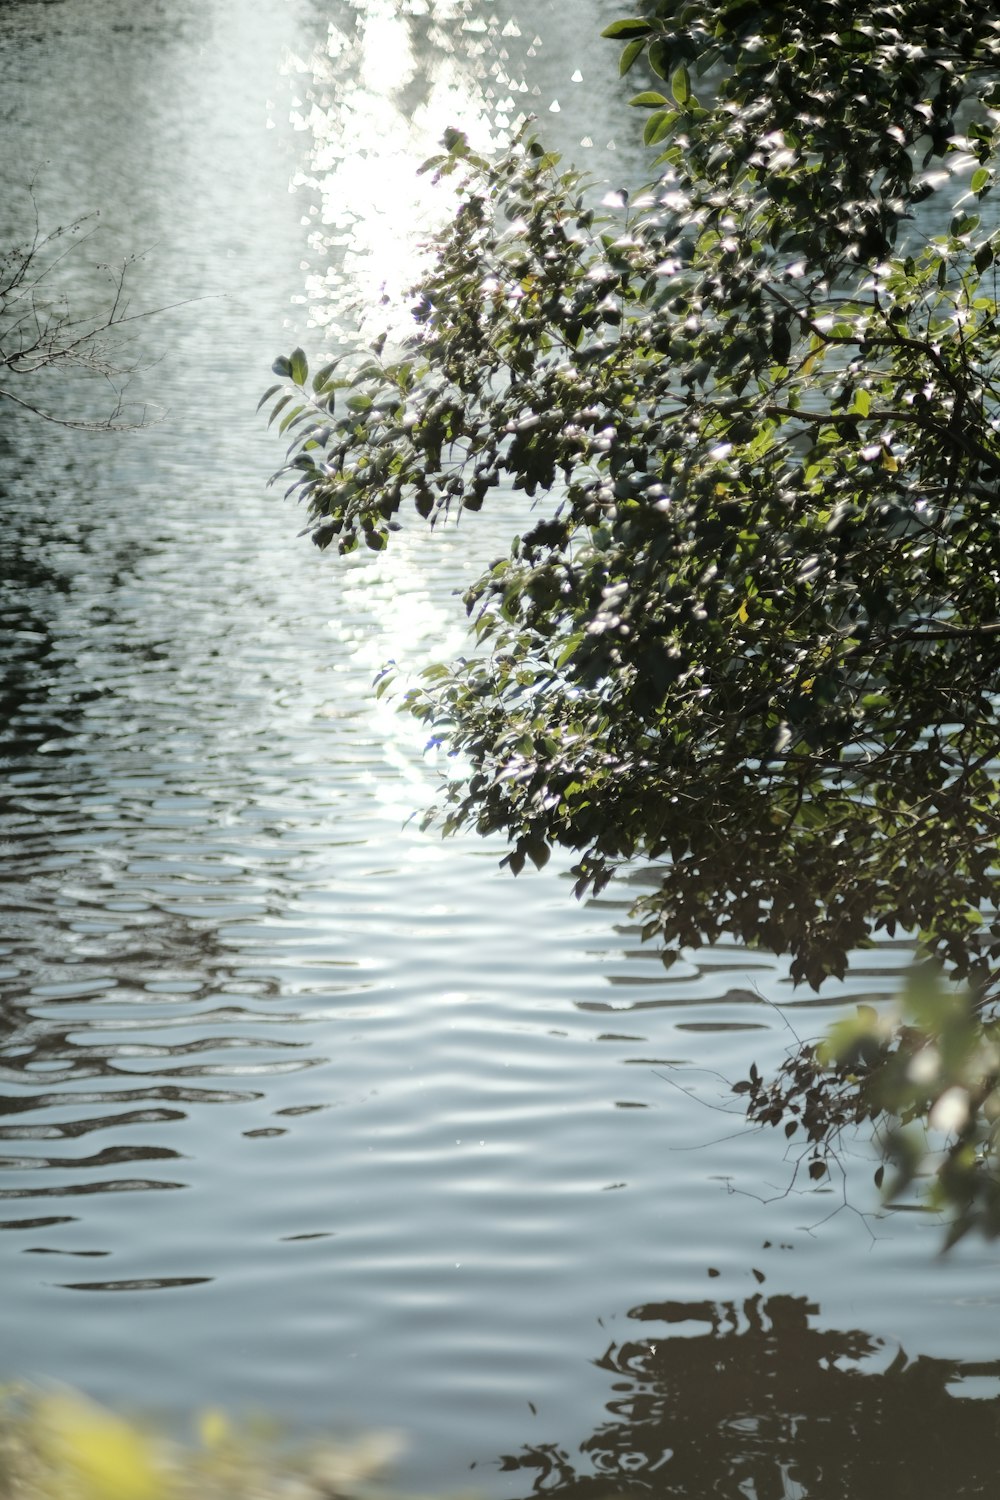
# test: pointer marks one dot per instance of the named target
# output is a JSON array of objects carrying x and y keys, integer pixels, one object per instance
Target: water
[{"x": 302, "y": 1110}]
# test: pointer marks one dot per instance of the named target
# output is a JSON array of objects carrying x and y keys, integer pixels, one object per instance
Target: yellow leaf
[{"x": 743, "y": 613}]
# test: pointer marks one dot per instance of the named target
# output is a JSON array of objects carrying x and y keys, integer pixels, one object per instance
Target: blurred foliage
[
  {"x": 60, "y": 1446},
  {"x": 926, "y": 1075},
  {"x": 753, "y": 635}
]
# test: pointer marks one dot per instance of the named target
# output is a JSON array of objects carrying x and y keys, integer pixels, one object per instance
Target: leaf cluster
[
  {"x": 925, "y": 1075},
  {"x": 753, "y": 635}
]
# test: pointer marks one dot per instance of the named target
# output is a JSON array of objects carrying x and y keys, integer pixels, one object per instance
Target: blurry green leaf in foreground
[{"x": 63, "y": 1447}]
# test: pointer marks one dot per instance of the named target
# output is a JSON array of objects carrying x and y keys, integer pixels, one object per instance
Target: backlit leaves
[{"x": 752, "y": 634}]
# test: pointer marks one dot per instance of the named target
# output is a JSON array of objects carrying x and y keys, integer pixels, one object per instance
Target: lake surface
[{"x": 302, "y": 1110}]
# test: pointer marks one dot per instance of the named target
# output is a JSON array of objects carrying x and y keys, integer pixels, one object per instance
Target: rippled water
[{"x": 300, "y": 1109}]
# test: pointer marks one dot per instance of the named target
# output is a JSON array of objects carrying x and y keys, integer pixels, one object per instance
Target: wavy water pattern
[{"x": 358, "y": 1129}]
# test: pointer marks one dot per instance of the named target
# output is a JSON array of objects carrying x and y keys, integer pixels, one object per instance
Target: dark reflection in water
[
  {"x": 136, "y": 1284},
  {"x": 755, "y": 1400},
  {"x": 76, "y": 1190}
]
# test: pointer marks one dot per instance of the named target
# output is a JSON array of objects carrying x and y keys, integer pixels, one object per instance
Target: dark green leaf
[
  {"x": 630, "y": 27},
  {"x": 299, "y": 367},
  {"x": 659, "y": 58},
  {"x": 680, "y": 86},
  {"x": 629, "y": 55},
  {"x": 658, "y": 126}
]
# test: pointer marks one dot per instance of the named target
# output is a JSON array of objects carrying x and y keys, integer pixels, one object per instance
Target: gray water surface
[{"x": 302, "y": 1110}]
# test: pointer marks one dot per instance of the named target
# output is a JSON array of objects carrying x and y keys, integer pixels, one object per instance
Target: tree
[
  {"x": 42, "y": 332},
  {"x": 753, "y": 636}
]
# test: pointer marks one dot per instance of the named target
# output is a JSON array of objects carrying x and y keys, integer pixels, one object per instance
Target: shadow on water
[{"x": 718, "y": 1398}]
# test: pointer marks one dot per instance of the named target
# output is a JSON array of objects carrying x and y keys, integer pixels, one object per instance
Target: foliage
[
  {"x": 61, "y": 1446},
  {"x": 925, "y": 1075},
  {"x": 754, "y": 634}
]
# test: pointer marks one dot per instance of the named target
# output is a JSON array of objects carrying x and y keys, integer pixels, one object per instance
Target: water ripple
[{"x": 395, "y": 1130}]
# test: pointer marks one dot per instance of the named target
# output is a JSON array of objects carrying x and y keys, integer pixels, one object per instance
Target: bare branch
[{"x": 42, "y": 332}]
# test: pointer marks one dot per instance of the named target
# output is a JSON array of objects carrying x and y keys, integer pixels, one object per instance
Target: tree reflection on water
[{"x": 760, "y": 1403}]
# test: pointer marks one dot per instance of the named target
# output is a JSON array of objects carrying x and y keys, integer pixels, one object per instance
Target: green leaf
[
  {"x": 278, "y": 407},
  {"x": 629, "y": 26},
  {"x": 629, "y": 55},
  {"x": 299, "y": 367},
  {"x": 289, "y": 418},
  {"x": 282, "y": 367},
  {"x": 538, "y": 853},
  {"x": 456, "y": 142},
  {"x": 649, "y": 98},
  {"x": 431, "y": 164},
  {"x": 570, "y": 649},
  {"x": 963, "y": 224},
  {"x": 267, "y": 395},
  {"x": 980, "y": 180},
  {"x": 659, "y": 58},
  {"x": 680, "y": 86},
  {"x": 322, "y": 376},
  {"x": 658, "y": 126}
]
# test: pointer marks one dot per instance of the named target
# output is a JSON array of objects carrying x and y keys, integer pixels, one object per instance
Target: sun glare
[{"x": 412, "y": 76}]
